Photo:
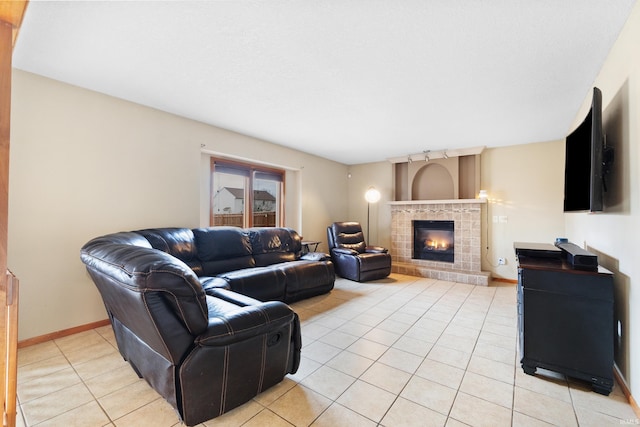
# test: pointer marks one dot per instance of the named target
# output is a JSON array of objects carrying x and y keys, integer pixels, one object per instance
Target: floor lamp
[{"x": 371, "y": 196}]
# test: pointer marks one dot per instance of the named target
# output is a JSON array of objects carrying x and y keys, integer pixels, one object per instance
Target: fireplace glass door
[{"x": 433, "y": 240}]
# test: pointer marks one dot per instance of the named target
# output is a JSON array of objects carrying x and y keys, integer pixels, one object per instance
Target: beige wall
[
  {"x": 525, "y": 184},
  {"x": 84, "y": 164},
  {"x": 614, "y": 234},
  {"x": 380, "y": 176}
]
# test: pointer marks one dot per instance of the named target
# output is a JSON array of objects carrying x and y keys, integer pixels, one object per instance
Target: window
[{"x": 246, "y": 195}]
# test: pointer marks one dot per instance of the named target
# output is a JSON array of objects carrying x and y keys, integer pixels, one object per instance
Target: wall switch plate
[{"x": 502, "y": 261}]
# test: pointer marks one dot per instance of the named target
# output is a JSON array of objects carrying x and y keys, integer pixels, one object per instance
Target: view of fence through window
[{"x": 245, "y": 195}]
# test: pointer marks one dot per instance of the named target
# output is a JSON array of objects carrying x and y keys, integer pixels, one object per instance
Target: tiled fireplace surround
[{"x": 466, "y": 215}]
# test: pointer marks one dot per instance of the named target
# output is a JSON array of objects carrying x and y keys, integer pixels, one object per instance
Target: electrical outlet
[{"x": 502, "y": 261}]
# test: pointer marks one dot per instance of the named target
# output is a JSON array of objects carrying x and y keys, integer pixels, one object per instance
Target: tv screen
[{"x": 583, "y": 174}]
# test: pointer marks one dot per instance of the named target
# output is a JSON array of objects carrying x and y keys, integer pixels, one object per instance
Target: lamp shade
[{"x": 372, "y": 195}]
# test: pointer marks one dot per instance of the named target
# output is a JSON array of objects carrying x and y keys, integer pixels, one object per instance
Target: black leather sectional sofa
[{"x": 201, "y": 313}]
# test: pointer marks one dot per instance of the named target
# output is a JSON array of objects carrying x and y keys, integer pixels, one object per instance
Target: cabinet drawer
[{"x": 583, "y": 284}]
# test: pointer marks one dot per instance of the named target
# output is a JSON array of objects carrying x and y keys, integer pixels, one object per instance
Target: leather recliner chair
[{"x": 351, "y": 256}]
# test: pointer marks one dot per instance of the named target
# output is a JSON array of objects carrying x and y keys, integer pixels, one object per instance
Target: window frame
[{"x": 250, "y": 171}]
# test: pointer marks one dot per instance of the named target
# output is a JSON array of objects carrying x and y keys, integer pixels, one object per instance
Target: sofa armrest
[
  {"x": 209, "y": 283},
  {"x": 233, "y": 297},
  {"x": 376, "y": 249},
  {"x": 344, "y": 251},
  {"x": 316, "y": 256},
  {"x": 246, "y": 322}
]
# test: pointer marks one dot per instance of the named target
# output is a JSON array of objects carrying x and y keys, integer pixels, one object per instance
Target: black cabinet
[{"x": 565, "y": 316}]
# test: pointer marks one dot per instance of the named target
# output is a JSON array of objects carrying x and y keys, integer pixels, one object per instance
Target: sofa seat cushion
[
  {"x": 261, "y": 283},
  {"x": 307, "y": 278}
]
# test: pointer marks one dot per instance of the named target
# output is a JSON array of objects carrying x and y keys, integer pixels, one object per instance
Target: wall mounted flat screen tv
[{"x": 584, "y": 167}]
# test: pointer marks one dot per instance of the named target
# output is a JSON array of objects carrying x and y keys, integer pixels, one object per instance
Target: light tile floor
[{"x": 404, "y": 351}]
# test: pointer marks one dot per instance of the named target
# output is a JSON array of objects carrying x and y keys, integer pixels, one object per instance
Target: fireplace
[
  {"x": 466, "y": 216},
  {"x": 433, "y": 240}
]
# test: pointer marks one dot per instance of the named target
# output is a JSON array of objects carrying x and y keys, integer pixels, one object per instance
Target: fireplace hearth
[{"x": 433, "y": 240}]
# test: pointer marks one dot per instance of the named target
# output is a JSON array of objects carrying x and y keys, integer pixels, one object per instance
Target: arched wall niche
[
  {"x": 432, "y": 179},
  {"x": 433, "y": 182}
]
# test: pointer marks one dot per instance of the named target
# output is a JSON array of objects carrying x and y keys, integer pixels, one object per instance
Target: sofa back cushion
[
  {"x": 222, "y": 249},
  {"x": 178, "y": 242},
  {"x": 273, "y": 245},
  {"x": 346, "y": 235}
]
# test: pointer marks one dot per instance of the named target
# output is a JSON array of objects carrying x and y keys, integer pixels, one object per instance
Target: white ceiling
[{"x": 354, "y": 81}]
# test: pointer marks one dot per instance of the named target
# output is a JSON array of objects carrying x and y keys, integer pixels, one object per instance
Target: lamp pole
[
  {"x": 371, "y": 196},
  {"x": 368, "y": 215}
]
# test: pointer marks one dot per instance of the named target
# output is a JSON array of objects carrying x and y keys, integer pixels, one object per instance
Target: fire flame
[{"x": 434, "y": 244}]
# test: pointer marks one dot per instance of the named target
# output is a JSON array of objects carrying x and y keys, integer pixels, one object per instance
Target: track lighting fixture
[{"x": 430, "y": 155}]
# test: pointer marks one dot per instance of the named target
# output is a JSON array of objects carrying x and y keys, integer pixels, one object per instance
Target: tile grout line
[
  {"x": 376, "y": 360},
  {"x": 469, "y": 361}
]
